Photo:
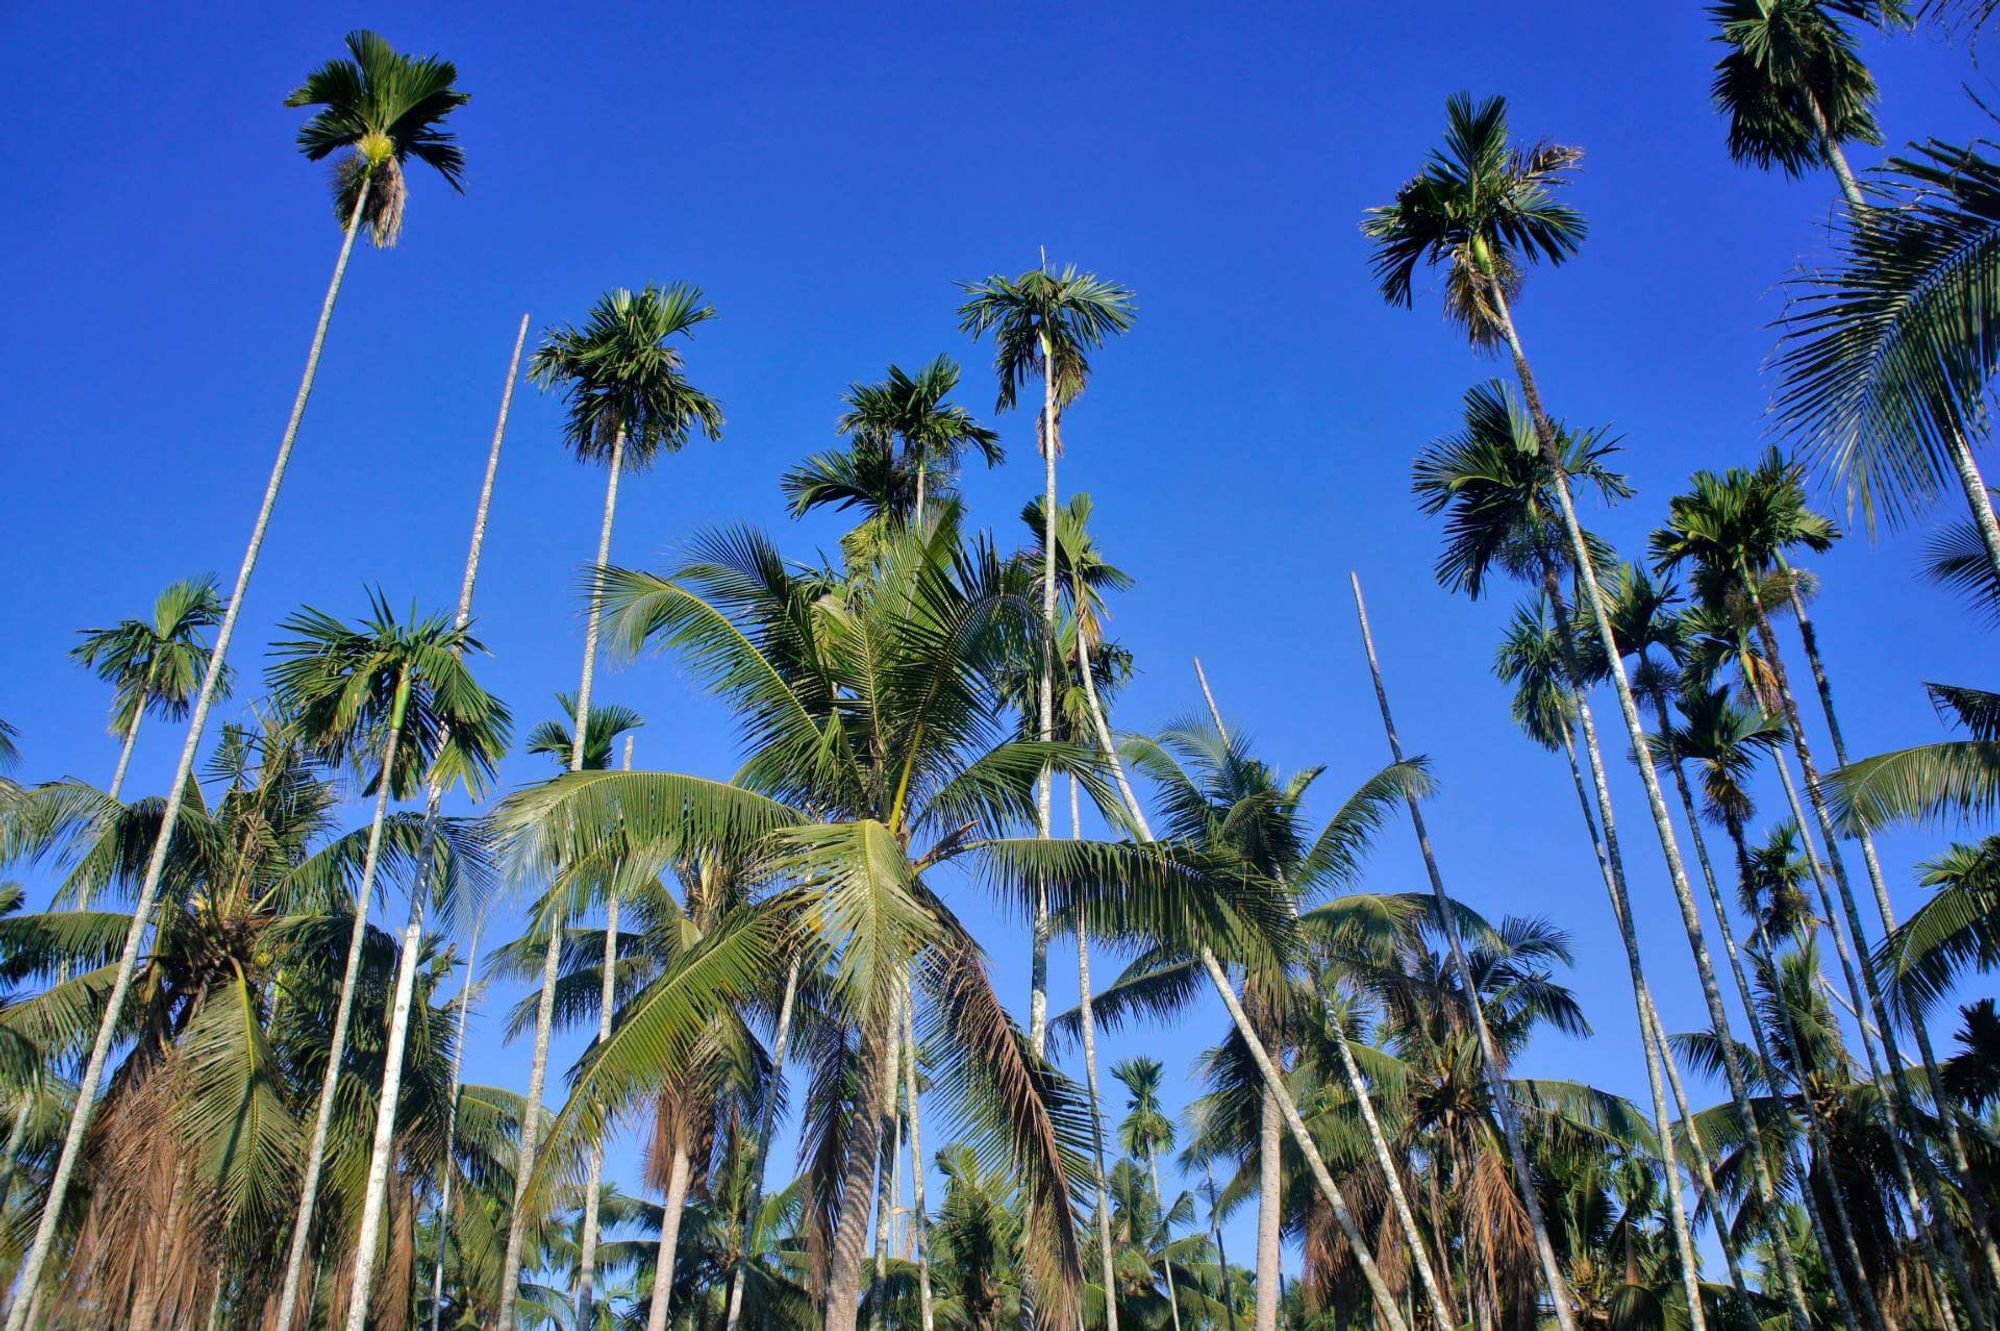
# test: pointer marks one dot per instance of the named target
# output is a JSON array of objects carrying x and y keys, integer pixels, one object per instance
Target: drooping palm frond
[
  {"x": 1957, "y": 930},
  {"x": 1060, "y": 316},
  {"x": 1955, "y": 557},
  {"x": 623, "y": 378}
]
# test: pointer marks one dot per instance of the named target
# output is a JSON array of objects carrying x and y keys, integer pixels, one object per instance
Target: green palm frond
[
  {"x": 622, "y": 375},
  {"x": 1064, "y": 316}
]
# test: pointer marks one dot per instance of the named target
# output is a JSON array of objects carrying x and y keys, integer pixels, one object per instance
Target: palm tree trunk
[
  {"x": 919, "y": 1219},
  {"x": 1270, "y": 1210},
  {"x": 1045, "y": 730},
  {"x": 670, "y": 1237},
  {"x": 1109, "y": 1265},
  {"x": 586, "y": 1263},
  {"x": 1274, "y": 1084},
  {"x": 343, "y": 1015},
  {"x": 145, "y": 1312},
  {"x": 124, "y": 761},
  {"x": 767, "y": 1114},
  {"x": 1656, "y": 801},
  {"x": 1552, "y": 1276},
  {"x": 850, "y": 1233},
  {"x": 1221, "y": 1253},
  {"x": 920, "y": 494},
  {"x": 888, "y": 1149},
  {"x": 149, "y": 887},
  {"x": 1167, "y": 1231},
  {"x": 409, "y": 948},
  {"x": 531, "y": 1119},
  {"x": 449, "y": 1166},
  {"x": 1897, "y": 1103}
]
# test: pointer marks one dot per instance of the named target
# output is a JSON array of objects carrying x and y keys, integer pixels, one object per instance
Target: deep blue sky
[{"x": 828, "y": 174}]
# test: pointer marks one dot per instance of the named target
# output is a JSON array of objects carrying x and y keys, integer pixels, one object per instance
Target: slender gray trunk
[
  {"x": 766, "y": 1116},
  {"x": 1045, "y": 726},
  {"x": 1270, "y": 1210},
  {"x": 531, "y": 1119},
  {"x": 919, "y": 1218},
  {"x": 118, "y": 776},
  {"x": 1656, "y": 802},
  {"x": 586, "y": 1265},
  {"x": 343, "y": 1015},
  {"x": 450, "y": 1164},
  {"x": 410, "y": 947},
  {"x": 889, "y": 1148},
  {"x": 149, "y": 887},
  {"x": 1107, "y": 1262},
  {"x": 1491, "y": 1063},
  {"x": 670, "y": 1239},
  {"x": 1166, "y": 1237}
]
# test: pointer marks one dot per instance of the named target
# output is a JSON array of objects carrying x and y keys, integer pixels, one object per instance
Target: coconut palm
[
  {"x": 153, "y": 665},
  {"x": 628, "y": 400},
  {"x": 1483, "y": 209},
  {"x": 397, "y": 701},
  {"x": 376, "y": 110},
  {"x": 911, "y": 410},
  {"x": 1045, "y": 324}
]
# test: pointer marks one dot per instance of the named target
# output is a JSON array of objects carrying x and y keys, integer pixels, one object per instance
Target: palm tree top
[
  {"x": 1741, "y": 521},
  {"x": 386, "y": 107},
  {"x": 912, "y": 409},
  {"x": 1481, "y": 207},
  {"x": 622, "y": 374},
  {"x": 1066, "y": 315},
  {"x": 156, "y": 664},
  {"x": 608, "y": 721},
  {"x": 1791, "y": 67}
]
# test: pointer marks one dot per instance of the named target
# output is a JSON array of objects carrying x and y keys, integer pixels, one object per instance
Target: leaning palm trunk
[
  {"x": 343, "y": 1014},
  {"x": 1739, "y": 1089},
  {"x": 409, "y": 948},
  {"x": 124, "y": 762},
  {"x": 1089, "y": 1023},
  {"x": 1897, "y": 1104},
  {"x": 450, "y": 1167},
  {"x": 1045, "y": 724},
  {"x": 1274, "y": 1083},
  {"x": 545, "y": 1008},
  {"x": 1947, "y": 1110},
  {"x": 766, "y": 1117},
  {"x": 1552, "y": 1276},
  {"x": 149, "y": 888}
]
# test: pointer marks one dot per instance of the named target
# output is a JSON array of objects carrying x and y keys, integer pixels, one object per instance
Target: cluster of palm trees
[{"x": 231, "y": 1097}]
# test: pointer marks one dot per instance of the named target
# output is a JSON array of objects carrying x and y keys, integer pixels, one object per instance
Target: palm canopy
[
  {"x": 1083, "y": 574},
  {"x": 1791, "y": 80},
  {"x": 911, "y": 409},
  {"x": 1887, "y": 351},
  {"x": 624, "y": 379},
  {"x": 1481, "y": 208},
  {"x": 155, "y": 665},
  {"x": 1739, "y": 524},
  {"x": 1044, "y": 322},
  {"x": 1724, "y": 742},
  {"x": 383, "y": 108},
  {"x": 345, "y": 687},
  {"x": 1531, "y": 657},
  {"x": 1145, "y": 1132},
  {"x": 608, "y": 721},
  {"x": 1497, "y": 492}
]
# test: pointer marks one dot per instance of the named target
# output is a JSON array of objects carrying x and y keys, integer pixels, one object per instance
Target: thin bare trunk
[
  {"x": 149, "y": 887},
  {"x": 1270, "y": 1210},
  {"x": 118, "y": 776},
  {"x": 670, "y": 1238},
  {"x": 531, "y": 1119},
  {"x": 1089, "y": 1022},
  {"x": 343, "y": 1014},
  {"x": 1045, "y": 725},
  {"x": 919, "y": 1218},
  {"x": 1739, "y": 1091},
  {"x": 767, "y": 1115},
  {"x": 889, "y": 1148},
  {"x": 1503, "y": 1104},
  {"x": 607, "y": 998},
  {"x": 410, "y": 947},
  {"x": 450, "y": 1165}
]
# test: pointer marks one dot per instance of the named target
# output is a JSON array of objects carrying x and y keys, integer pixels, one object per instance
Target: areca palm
[
  {"x": 397, "y": 701},
  {"x": 153, "y": 665},
  {"x": 1143, "y": 1133},
  {"x": 1483, "y": 209},
  {"x": 376, "y": 110},
  {"x": 628, "y": 400},
  {"x": 1045, "y": 324},
  {"x": 911, "y": 409}
]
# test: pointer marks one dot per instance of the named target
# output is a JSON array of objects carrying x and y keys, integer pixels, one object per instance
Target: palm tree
[
  {"x": 154, "y": 666},
  {"x": 1144, "y": 1132},
  {"x": 397, "y": 701},
  {"x": 378, "y": 109},
  {"x": 1483, "y": 209},
  {"x": 411, "y": 945},
  {"x": 627, "y": 393},
  {"x": 912, "y": 410},
  {"x": 1048, "y": 324},
  {"x": 1793, "y": 85}
]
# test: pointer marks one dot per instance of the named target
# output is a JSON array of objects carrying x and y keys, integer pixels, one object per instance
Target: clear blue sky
[{"x": 827, "y": 174}]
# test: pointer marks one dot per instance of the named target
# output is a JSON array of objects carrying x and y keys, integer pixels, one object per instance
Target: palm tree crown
[
  {"x": 1791, "y": 81},
  {"x": 1039, "y": 315},
  {"x": 622, "y": 376},
  {"x": 155, "y": 666}
]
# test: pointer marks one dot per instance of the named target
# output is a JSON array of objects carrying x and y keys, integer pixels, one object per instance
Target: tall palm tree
[
  {"x": 397, "y": 701},
  {"x": 629, "y": 400},
  {"x": 1483, "y": 209},
  {"x": 1045, "y": 324},
  {"x": 410, "y": 948},
  {"x": 153, "y": 665},
  {"x": 911, "y": 409},
  {"x": 377, "y": 110},
  {"x": 1143, "y": 1133}
]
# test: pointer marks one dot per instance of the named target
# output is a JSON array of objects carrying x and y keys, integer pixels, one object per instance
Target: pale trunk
[
  {"x": 1490, "y": 1061},
  {"x": 885, "y": 1185},
  {"x": 766, "y": 1117},
  {"x": 410, "y": 947},
  {"x": 118, "y": 776},
  {"x": 670, "y": 1239},
  {"x": 1274, "y": 1084},
  {"x": 450, "y": 1165},
  {"x": 920, "y": 496},
  {"x": 586, "y": 1263},
  {"x": 1656, "y": 803},
  {"x": 919, "y": 1218},
  {"x": 149, "y": 888},
  {"x": 1045, "y": 722},
  {"x": 1166, "y": 1237},
  {"x": 1270, "y": 1215},
  {"x": 1896, "y": 1105},
  {"x": 850, "y": 1232},
  {"x": 1089, "y": 1024},
  {"x": 531, "y": 1119},
  {"x": 295, "y": 1260}
]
